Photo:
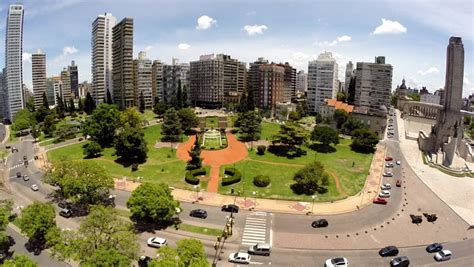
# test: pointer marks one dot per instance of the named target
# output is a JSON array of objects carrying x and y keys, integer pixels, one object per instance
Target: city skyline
[{"x": 248, "y": 31}]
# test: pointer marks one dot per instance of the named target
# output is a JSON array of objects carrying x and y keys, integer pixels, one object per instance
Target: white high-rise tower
[
  {"x": 102, "y": 56},
  {"x": 13, "y": 61},
  {"x": 322, "y": 81}
]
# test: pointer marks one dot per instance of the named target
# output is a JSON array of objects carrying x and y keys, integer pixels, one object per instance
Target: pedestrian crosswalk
[
  {"x": 255, "y": 229},
  {"x": 20, "y": 164}
]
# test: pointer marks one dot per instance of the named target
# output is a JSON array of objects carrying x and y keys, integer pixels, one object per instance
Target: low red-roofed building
[{"x": 327, "y": 110}]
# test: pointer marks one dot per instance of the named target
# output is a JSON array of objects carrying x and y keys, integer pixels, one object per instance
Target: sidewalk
[{"x": 349, "y": 204}]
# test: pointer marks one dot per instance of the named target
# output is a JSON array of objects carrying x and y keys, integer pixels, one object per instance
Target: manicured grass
[
  {"x": 199, "y": 229},
  {"x": 212, "y": 143},
  {"x": 212, "y": 122},
  {"x": 47, "y": 142},
  {"x": 268, "y": 130},
  {"x": 148, "y": 115}
]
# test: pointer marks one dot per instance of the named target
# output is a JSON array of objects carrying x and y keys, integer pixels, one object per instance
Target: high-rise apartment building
[
  {"x": 289, "y": 82},
  {"x": 57, "y": 89},
  {"x": 174, "y": 75},
  {"x": 74, "y": 79},
  {"x": 157, "y": 80},
  {"x": 3, "y": 95},
  {"x": 349, "y": 75},
  {"x": 66, "y": 86},
  {"x": 301, "y": 82},
  {"x": 50, "y": 95},
  {"x": 122, "y": 63},
  {"x": 38, "y": 65},
  {"x": 13, "y": 61},
  {"x": 253, "y": 79},
  {"x": 234, "y": 78},
  {"x": 102, "y": 79},
  {"x": 322, "y": 81},
  {"x": 373, "y": 84},
  {"x": 271, "y": 86},
  {"x": 85, "y": 88},
  {"x": 142, "y": 80}
]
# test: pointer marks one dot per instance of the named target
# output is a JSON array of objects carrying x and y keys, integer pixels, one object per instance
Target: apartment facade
[
  {"x": 271, "y": 86},
  {"x": 38, "y": 65},
  {"x": 122, "y": 64},
  {"x": 322, "y": 81},
  {"x": 348, "y": 76},
  {"x": 66, "y": 86},
  {"x": 289, "y": 82},
  {"x": 74, "y": 74},
  {"x": 253, "y": 79},
  {"x": 301, "y": 82},
  {"x": 50, "y": 94},
  {"x": 175, "y": 75},
  {"x": 57, "y": 89},
  {"x": 102, "y": 75},
  {"x": 157, "y": 80},
  {"x": 142, "y": 80},
  {"x": 207, "y": 81}
]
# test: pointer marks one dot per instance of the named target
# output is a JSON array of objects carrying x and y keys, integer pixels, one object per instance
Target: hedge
[
  {"x": 191, "y": 178},
  {"x": 261, "y": 180},
  {"x": 234, "y": 176}
]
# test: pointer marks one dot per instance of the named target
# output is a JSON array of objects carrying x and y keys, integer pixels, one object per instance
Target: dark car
[
  {"x": 24, "y": 158},
  {"x": 66, "y": 213},
  {"x": 320, "y": 223},
  {"x": 198, "y": 213},
  {"x": 230, "y": 208},
  {"x": 435, "y": 247},
  {"x": 18, "y": 175},
  {"x": 144, "y": 261},
  {"x": 400, "y": 262},
  {"x": 64, "y": 204},
  {"x": 388, "y": 251}
]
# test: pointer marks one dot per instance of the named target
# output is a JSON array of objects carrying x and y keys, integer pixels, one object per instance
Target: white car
[
  {"x": 240, "y": 257},
  {"x": 399, "y": 162},
  {"x": 387, "y": 174},
  {"x": 443, "y": 255},
  {"x": 386, "y": 187},
  {"x": 156, "y": 242},
  {"x": 25, "y": 177},
  {"x": 34, "y": 187},
  {"x": 384, "y": 193},
  {"x": 337, "y": 262},
  {"x": 389, "y": 165}
]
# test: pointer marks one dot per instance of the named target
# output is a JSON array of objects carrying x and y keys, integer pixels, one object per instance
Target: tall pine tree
[
  {"x": 185, "y": 97},
  {"x": 45, "y": 101},
  {"x": 142, "y": 102},
  {"x": 109, "y": 97},
  {"x": 72, "y": 108},
  {"x": 60, "y": 106}
]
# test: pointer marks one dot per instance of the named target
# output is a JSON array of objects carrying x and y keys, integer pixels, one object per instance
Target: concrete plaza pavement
[{"x": 456, "y": 192}]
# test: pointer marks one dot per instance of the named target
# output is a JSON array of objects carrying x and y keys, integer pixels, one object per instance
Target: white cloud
[
  {"x": 255, "y": 29},
  {"x": 205, "y": 22},
  {"x": 344, "y": 38},
  {"x": 428, "y": 71},
  {"x": 184, "y": 46},
  {"x": 69, "y": 50},
  {"x": 148, "y": 48},
  {"x": 26, "y": 57},
  {"x": 390, "y": 27}
]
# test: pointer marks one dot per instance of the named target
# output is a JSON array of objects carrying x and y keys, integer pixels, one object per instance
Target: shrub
[
  {"x": 234, "y": 176},
  {"x": 261, "y": 149},
  {"x": 134, "y": 167},
  {"x": 191, "y": 176},
  {"x": 261, "y": 180}
]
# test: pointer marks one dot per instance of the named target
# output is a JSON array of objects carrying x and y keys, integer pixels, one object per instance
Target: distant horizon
[{"x": 296, "y": 32}]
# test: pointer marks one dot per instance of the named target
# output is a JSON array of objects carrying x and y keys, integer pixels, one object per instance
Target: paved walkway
[
  {"x": 349, "y": 204},
  {"x": 456, "y": 192}
]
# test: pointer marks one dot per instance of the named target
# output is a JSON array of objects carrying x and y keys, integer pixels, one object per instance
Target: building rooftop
[{"x": 340, "y": 105}]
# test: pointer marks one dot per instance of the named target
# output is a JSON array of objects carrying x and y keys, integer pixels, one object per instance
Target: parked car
[
  {"x": 388, "y": 251},
  {"x": 388, "y": 158},
  {"x": 399, "y": 162},
  {"x": 387, "y": 174},
  {"x": 230, "y": 208},
  {"x": 26, "y": 178},
  {"x": 337, "y": 262},
  {"x": 386, "y": 187},
  {"x": 25, "y": 158},
  {"x": 443, "y": 255},
  {"x": 156, "y": 242},
  {"x": 260, "y": 249},
  {"x": 389, "y": 165},
  {"x": 34, "y": 187},
  {"x": 384, "y": 193},
  {"x": 435, "y": 247},
  {"x": 320, "y": 223},
  {"x": 379, "y": 200},
  {"x": 399, "y": 183},
  {"x": 239, "y": 257},
  {"x": 402, "y": 261},
  {"x": 144, "y": 261},
  {"x": 198, "y": 213},
  {"x": 66, "y": 213},
  {"x": 18, "y": 175}
]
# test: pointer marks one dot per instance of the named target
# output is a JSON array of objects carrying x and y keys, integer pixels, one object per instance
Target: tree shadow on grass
[
  {"x": 127, "y": 162},
  {"x": 152, "y": 227},
  {"x": 303, "y": 190},
  {"x": 286, "y": 151},
  {"x": 322, "y": 148}
]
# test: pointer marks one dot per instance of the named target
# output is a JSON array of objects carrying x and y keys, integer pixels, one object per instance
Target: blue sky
[{"x": 411, "y": 34}]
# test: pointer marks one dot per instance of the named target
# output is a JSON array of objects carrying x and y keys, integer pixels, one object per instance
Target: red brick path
[{"x": 234, "y": 152}]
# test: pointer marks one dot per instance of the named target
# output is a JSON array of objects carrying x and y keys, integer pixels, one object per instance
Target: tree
[
  {"x": 291, "y": 134},
  {"x": 179, "y": 96},
  {"x": 45, "y": 101},
  {"x": 394, "y": 100},
  {"x": 188, "y": 119},
  {"x": 71, "y": 106},
  {"x": 351, "y": 124},
  {"x": 249, "y": 124},
  {"x": 341, "y": 96},
  {"x": 130, "y": 144},
  {"x": 89, "y": 104},
  {"x": 196, "y": 161},
  {"x": 294, "y": 116},
  {"x": 243, "y": 105},
  {"x": 310, "y": 179},
  {"x": 101, "y": 126},
  {"x": 351, "y": 91},
  {"x": 302, "y": 109},
  {"x": 185, "y": 97},
  {"x": 37, "y": 220},
  {"x": 142, "y": 102},
  {"x": 364, "y": 140},
  {"x": 191, "y": 253},
  {"x": 81, "y": 181},
  {"x": 35, "y": 132},
  {"x": 152, "y": 202},
  {"x": 19, "y": 260},
  {"x": 414, "y": 96},
  {"x": 24, "y": 119},
  {"x": 81, "y": 105},
  {"x": 91, "y": 149},
  {"x": 49, "y": 124},
  {"x": 109, "y": 98},
  {"x": 131, "y": 118},
  {"x": 160, "y": 108},
  {"x": 171, "y": 128},
  {"x": 6, "y": 207},
  {"x": 340, "y": 116},
  {"x": 167, "y": 257},
  {"x": 103, "y": 239},
  {"x": 30, "y": 104},
  {"x": 325, "y": 135},
  {"x": 60, "y": 106}
]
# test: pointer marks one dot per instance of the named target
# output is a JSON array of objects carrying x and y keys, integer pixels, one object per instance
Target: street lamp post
[
  {"x": 196, "y": 187},
  {"x": 312, "y": 206},
  {"x": 254, "y": 199}
]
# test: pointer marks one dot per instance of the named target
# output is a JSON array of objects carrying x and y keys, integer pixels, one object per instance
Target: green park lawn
[
  {"x": 212, "y": 122},
  {"x": 212, "y": 144},
  {"x": 268, "y": 130},
  {"x": 162, "y": 164}
]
